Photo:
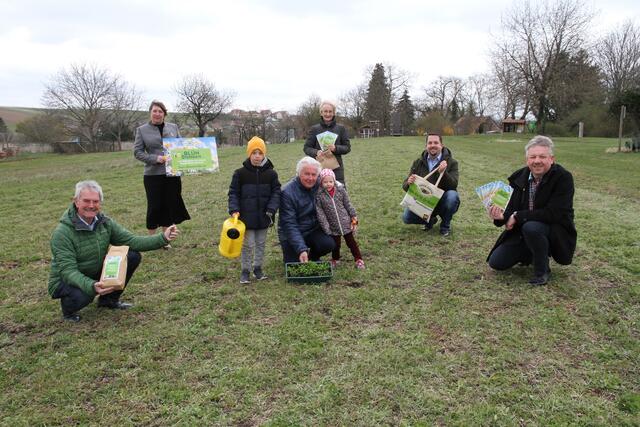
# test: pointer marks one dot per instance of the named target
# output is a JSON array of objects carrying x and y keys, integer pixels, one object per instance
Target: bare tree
[
  {"x": 618, "y": 56},
  {"x": 125, "y": 111},
  {"x": 510, "y": 93},
  {"x": 398, "y": 80},
  {"x": 352, "y": 105},
  {"x": 442, "y": 94},
  {"x": 533, "y": 39},
  {"x": 477, "y": 94},
  {"x": 201, "y": 101},
  {"x": 84, "y": 93},
  {"x": 308, "y": 114}
]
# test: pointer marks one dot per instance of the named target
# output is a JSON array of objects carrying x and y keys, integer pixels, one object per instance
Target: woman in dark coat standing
[
  {"x": 342, "y": 144},
  {"x": 165, "y": 206}
]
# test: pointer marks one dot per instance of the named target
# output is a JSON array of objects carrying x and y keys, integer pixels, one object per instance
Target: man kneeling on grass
[
  {"x": 538, "y": 219},
  {"x": 79, "y": 245}
]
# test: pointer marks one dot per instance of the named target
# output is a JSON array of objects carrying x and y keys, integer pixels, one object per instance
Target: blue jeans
[
  {"x": 530, "y": 245},
  {"x": 72, "y": 298},
  {"x": 446, "y": 207},
  {"x": 319, "y": 244}
]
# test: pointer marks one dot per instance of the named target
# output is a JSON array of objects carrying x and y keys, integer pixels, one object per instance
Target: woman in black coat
[{"x": 340, "y": 147}]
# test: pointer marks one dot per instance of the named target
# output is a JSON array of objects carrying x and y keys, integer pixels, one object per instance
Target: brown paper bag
[
  {"x": 329, "y": 161},
  {"x": 114, "y": 268}
]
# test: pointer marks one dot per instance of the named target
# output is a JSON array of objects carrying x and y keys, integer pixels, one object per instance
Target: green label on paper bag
[
  {"x": 192, "y": 158},
  {"x": 112, "y": 266},
  {"x": 430, "y": 201}
]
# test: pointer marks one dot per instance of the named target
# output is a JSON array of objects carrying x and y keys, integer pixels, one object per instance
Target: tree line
[{"x": 544, "y": 68}]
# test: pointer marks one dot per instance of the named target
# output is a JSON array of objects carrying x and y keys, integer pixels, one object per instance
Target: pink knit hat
[{"x": 325, "y": 173}]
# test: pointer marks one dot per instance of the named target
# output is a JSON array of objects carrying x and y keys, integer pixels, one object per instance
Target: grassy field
[{"x": 427, "y": 335}]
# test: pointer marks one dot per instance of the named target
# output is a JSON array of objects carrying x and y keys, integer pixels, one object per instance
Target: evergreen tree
[
  {"x": 378, "y": 101},
  {"x": 406, "y": 112},
  {"x": 3, "y": 126}
]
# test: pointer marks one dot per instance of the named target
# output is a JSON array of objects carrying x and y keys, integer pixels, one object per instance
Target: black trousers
[
  {"x": 531, "y": 245},
  {"x": 72, "y": 298},
  {"x": 319, "y": 244}
]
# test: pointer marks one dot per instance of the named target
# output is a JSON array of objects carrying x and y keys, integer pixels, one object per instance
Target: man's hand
[
  {"x": 101, "y": 290},
  {"x": 320, "y": 155},
  {"x": 171, "y": 232},
  {"x": 270, "y": 216},
  {"x": 442, "y": 167},
  {"x": 496, "y": 212},
  {"x": 304, "y": 257},
  {"x": 332, "y": 148},
  {"x": 412, "y": 178},
  {"x": 354, "y": 224},
  {"x": 161, "y": 159},
  {"x": 511, "y": 222},
  {"x": 235, "y": 214}
]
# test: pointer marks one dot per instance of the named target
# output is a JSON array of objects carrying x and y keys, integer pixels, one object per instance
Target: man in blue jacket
[{"x": 301, "y": 236}]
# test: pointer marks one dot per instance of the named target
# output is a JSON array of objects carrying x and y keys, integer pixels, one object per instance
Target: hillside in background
[{"x": 14, "y": 115}]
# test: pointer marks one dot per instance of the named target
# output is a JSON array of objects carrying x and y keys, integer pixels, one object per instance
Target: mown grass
[{"x": 426, "y": 335}]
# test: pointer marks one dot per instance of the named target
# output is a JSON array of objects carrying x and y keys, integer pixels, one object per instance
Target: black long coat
[
  {"x": 553, "y": 205},
  {"x": 343, "y": 145}
]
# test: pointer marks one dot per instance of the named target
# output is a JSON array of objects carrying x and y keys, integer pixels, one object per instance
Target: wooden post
[
  {"x": 580, "y": 129},
  {"x": 623, "y": 111}
]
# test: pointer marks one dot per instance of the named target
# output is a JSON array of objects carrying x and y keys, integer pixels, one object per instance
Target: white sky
[{"x": 273, "y": 54}]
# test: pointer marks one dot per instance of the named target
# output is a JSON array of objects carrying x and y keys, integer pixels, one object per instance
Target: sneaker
[
  {"x": 429, "y": 225},
  {"x": 73, "y": 318},
  {"x": 445, "y": 232},
  {"x": 360, "y": 264},
  {"x": 257, "y": 271},
  {"x": 334, "y": 263},
  {"x": 244, "y": 277},
  {"x": 166, "y": 247}
]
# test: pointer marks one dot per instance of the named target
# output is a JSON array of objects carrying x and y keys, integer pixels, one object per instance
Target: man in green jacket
[{"x": 79, "y": 245}]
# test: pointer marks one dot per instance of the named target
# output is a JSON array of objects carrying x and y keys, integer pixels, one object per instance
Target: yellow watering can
[{"x": 231, "y": 237}]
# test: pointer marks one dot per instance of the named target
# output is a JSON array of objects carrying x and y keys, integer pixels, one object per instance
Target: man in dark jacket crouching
[
  {"x": 299, "y": 230},
  {"x": 79, "y": 245},
  {"x": 436, "y": 156},
  {"x": 538, "y": 219}
]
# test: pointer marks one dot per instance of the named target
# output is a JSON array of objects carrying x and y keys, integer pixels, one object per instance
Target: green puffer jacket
[{"x": 78, "y": 253}]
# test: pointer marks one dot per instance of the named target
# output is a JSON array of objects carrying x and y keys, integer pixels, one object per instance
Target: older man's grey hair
[
  {"x": 88, "y": 185},
  {"x": 541, "y": 141},
  {"x": 307, "y": 161}
]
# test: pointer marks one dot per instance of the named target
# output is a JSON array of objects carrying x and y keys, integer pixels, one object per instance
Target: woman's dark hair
[{"x": 158, "y": 104}]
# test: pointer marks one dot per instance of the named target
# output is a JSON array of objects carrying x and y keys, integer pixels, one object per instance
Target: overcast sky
[{"x": 273, "y": 54}]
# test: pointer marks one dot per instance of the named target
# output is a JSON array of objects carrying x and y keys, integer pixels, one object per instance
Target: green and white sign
[{"x": 187, "y": 156}]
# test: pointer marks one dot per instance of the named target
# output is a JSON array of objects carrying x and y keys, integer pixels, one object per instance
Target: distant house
[
  {"x": 367, "y": 131},
  {"x": 471, "y": 125},
  {"x": 514, "y": 125}
]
